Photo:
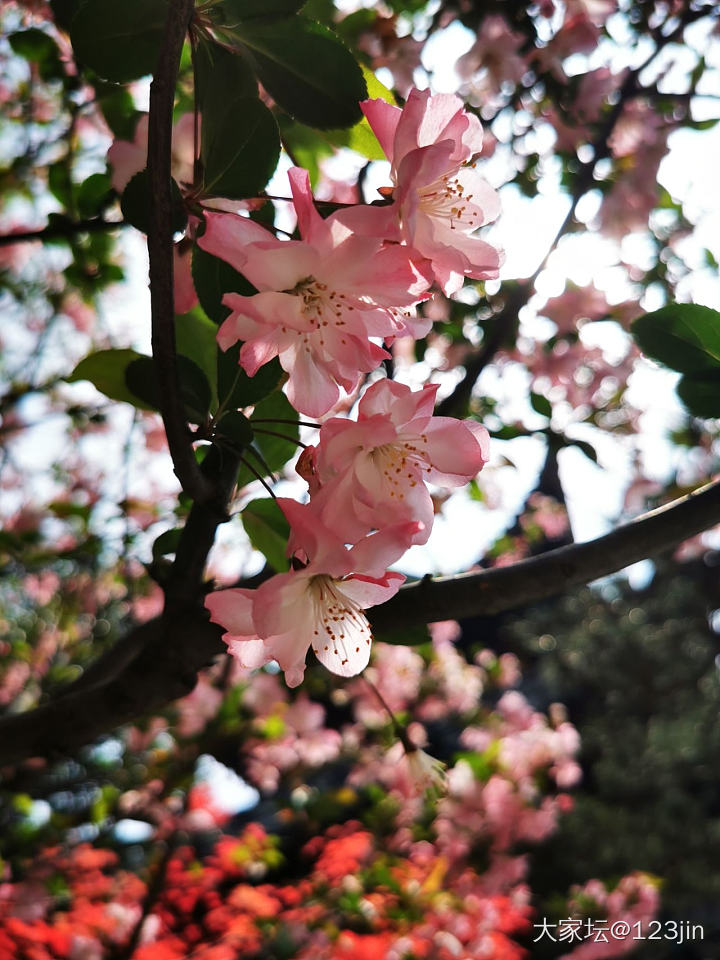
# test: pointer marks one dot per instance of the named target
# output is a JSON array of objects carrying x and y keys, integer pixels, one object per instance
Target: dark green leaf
[
  {"x": 307, "y": 146},
  {"x": 307, "y": 70},
  {"x": 118, "y": 108},
  {"x": 119, "y": 41},
  {"x": 229, "y": 12},
  {"x": 60, "y": 183},
  {"x": 212, "y": 279},
  {"x": 195, "y": 338},
  {"x": 135, "y": 204},
  {"x": 268, "y": 530},
  {"x": 235, "y": 427},
  {"x": 64, "y": 11},
  {"x": 683, "y": 336},
  {"x": 240, "y": 148},
  {"x": 93, "y": 194},
  {"x": 220, "y": 75},
  {"x": 541, "y": 404},
  {"x": 360, "y": 137},
  {"x": 276, "y": 451},
  {"x": 701, "y": 395},
  {"x": 141, "y": 379},
  {"x": 236, "y": 389},
  {"x": 105, "y": 369},
  {"x": 33, "y": 44},
  {"x": 166, "y": 543}
]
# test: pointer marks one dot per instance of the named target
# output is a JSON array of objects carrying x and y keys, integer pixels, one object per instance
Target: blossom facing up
[
  {"x": 319, "y": 604},
  {"x": 371, "y": 472},
  {"x": 439, "y": 198},
  {"x": 322, "y": 301}
]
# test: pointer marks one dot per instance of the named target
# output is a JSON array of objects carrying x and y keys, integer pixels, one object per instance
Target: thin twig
[
  {"x": 280, "y": 436},
  {"x": 61, "y": 228},
  {"x": 258, "y": 476}
]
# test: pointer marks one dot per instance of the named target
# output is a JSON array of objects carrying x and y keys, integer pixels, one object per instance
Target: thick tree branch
[
  {"x": 160, "y": 251},
  {"x": 505, "y": 588},
  {"x": 174, "y": 647}
]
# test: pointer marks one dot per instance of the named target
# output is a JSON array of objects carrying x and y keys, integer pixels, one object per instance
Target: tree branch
[
  {"x": 61, "y": 228},
  {"x": 174, "y": 647},
  {"x": 505, "y": 588},
  {"x": 160, "y": 252}
]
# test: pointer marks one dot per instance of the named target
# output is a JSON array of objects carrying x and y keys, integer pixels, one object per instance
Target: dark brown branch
[
  {"x": 160, "y": 251},
  {"x": 61, "y": 228},
  {"x": 174, "y": 647},
  {"x": 552, "y": 573}
]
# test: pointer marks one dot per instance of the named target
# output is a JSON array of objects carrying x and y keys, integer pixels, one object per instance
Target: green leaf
[
  {"x": 268, "y": 530},
  {"x": 212, "y": 279},
  {"x": 141, "y": 379},
  {"x": 166, "y": 543},
  {"x": 135, "y": 204},
  {"x": 235, "y": 427},
  {"x": 306, "y": 69},
  {"x": 307, "y": 146},
  {"x": 236, "y": 389},
  {"x": 229, "y": 12},
  {"x": 33, "y": 44},
  {"x": 275, "y": 451},
  {"x": 105, "y": 369},
  {"x": 119, "y": 41},
  {"x": 217, "y": 72},
  {"x": 541, "y": 404},
  {"x": 240, "y": 148},
  {"x": 63, "y": 12},
  {"x": 195, "y": 338},
  {"x": 93, "y": 194},
  {"x": 118, "y": 108},
  {"x": 683, "y": 336},
  {"x": 701, "y": 395},
  {"x": 360, "y": 137},
  {"x": 60, "y": 184}
]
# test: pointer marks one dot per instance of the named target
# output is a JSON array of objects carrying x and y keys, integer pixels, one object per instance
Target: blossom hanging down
[
  {"x": 439, "y": 198},
  {"x": 371, "y": 473},
  {"x": 320, "y": 301},
  {"x": 319, "y": 604}
]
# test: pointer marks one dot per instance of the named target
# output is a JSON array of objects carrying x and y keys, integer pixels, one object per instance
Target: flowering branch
[
  {"x": 506, "y": 319},
  {"x": 160, "y": 252},
  {"x": 170, "y": 650}
]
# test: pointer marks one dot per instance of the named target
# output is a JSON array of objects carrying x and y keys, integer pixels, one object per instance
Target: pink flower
[
  {"x": 439, "y": 198},
  {"x": 128, "y": 157},
  {"x": 320, "y": 299},
  {"x": 370, "y": 473},
  {"x": 494, "y": 61},
  {"x": 320, "y": 603}
]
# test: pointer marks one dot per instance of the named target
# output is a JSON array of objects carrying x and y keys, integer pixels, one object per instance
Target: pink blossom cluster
[
  {"x": 634, "y": 902},
  {"x": 497, "y": 796},
  {"x": 324, "y": 304}
]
